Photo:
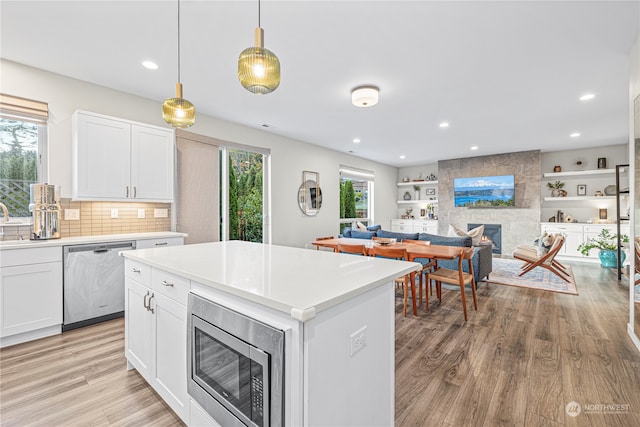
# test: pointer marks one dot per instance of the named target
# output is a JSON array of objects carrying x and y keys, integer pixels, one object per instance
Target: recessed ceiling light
[
  {"x": 574, "y": 135},
  {"x": 444, "y": 124},
  {"x": 403, "y": 156},
  {"x": 587, "y": 96},
  {"x": 356, "y": 140},
  {"x": 150, "y": 65},
  {"x": 475, "y": 147}
]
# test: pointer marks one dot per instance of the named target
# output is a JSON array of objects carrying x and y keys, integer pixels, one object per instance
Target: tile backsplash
[{"x": 95, "y": 218}]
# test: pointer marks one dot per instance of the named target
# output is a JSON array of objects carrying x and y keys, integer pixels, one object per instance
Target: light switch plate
[
  {"x": 141, "y": 213},
  {"x": 71, "y": 214},
  {"x": 161, "y": 213},
  {"x": 114, "y": 213}
]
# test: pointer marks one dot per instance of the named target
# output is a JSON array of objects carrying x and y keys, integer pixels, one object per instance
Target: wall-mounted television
[{"x": 484, "y": 192}]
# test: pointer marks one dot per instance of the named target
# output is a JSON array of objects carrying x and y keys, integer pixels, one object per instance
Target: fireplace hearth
[{"x": 492, "y": 234}]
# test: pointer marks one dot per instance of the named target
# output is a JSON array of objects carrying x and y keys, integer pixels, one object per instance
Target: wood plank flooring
[{"x": 518, "y": 361}]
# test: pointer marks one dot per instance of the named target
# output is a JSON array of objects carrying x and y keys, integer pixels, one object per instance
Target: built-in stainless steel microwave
[{"x": 236, "y": 365}]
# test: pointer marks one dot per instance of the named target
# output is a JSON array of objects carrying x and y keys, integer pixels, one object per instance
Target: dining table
[{"x": 414, "y": 251}]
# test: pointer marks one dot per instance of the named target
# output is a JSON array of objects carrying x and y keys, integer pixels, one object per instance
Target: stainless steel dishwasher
[{"x": 93, "y": 283}]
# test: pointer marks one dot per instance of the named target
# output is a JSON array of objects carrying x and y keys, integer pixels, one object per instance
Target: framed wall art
[{"x": 582, "y": 190}]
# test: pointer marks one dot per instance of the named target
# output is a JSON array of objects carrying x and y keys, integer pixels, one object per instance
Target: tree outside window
[{"x": 245, "y": 196}]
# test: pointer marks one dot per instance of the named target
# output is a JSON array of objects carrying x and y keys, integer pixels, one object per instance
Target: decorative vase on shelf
[
  {"x": 555, "y": 192},
  {"x": 406, "y": 196}
]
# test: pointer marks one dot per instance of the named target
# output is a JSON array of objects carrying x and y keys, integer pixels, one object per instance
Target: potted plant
[
  {"x": 607, "y": 243},
  {"x": 416, "y": 188},
  {"x": 556, "y": 189}
]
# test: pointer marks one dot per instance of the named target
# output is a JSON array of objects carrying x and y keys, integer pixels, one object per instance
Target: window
[
  {"x": 23, "y": 136},
  {"x": 356, "y": 196},
  {"x": 245, "y": 208}
]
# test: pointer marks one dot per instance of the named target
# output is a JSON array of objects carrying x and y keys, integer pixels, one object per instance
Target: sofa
[{"x": 481, "y": 261}]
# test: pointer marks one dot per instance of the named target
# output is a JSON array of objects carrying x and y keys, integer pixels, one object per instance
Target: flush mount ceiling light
[
  {"x": 178, "y": 112},
  {"x": 259, "y": 68},
  {"x": 364, "y": 96},
  {"x": 150, "y": 65},
  {"x": 587, "y": 96},
  {"x": 444, "y": 125},
  {"x": 575, "y": 135}
]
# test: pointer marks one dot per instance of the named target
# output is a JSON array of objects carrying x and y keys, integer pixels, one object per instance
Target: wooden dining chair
[
  {"x": 533, "y": 260},
  {"x": 324, "y": 238},
  {"x": 406, "y": 280},
  {"x": 428, "y": 265},
  {"x": 457, "y": 277},
  {"x": 352, "y": 249}
]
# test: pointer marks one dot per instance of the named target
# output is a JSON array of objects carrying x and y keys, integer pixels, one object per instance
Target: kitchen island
[{"x": 337, "y": 312}]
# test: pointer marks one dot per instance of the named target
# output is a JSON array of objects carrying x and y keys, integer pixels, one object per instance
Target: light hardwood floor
[{"x": 518, "y": 361}]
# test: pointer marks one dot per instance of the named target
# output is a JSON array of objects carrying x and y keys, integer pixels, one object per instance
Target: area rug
[{"x": 506, "y": 271}]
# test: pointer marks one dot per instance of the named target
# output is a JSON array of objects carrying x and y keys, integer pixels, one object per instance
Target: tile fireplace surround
[{"x": 520, "y": 225}]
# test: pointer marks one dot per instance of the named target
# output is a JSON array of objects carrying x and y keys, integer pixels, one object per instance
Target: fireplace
[{"x": 492, "y": 235}]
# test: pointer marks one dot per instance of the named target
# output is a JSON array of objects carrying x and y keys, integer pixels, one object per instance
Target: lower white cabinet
[
  {"x": 156, "y": 332},
  {"x": 31, "y": 294},
  {"x": 576, "y": 234},
  {"x": 159, "y": 243},
  {"x": 429, "y": 226}
]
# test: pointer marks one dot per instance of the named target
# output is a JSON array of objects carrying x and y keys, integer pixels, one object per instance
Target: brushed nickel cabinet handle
[
  {"x": 151, "y": 308},
  {"x": 165, "y": 283},
  {"x": 135, "y": 191},
  {"x": 135, "y": 270},
  {"x": 127, "y": 191},
  {"x": 144, "y": 301},
  {"x": 162, "y": 244}
]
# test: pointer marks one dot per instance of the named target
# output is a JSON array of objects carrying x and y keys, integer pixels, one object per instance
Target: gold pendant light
[
  {"x": 259, "y": 68},
  {"x": 178, "y": 112}
]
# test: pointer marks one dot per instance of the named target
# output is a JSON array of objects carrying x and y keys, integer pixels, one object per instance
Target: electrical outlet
[
  {"x": 141, "y": 213},
  {"x": 71, "y": 214},
  {"x": 358, "y": 340},
  {"x": 114, "y": 213},
  {"x": 161, "y": 213}
]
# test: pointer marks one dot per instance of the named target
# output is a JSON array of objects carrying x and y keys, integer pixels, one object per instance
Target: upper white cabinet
[{"x": 115, "y": 159}]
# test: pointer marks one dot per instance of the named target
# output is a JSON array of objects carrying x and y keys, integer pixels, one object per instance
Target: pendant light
[
  {"x": 178, "y": 112},
  {"x": 259, "y": 68}
]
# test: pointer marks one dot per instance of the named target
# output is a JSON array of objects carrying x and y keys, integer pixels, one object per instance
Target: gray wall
[
  {"x": 520, "y": 225},
  {"x": 288, "y": 157}
]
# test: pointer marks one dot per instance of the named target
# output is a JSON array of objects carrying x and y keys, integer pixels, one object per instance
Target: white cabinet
[
  {"x": 159, "y": 243},
  {"x": 115, "y": 159},
  {"x": 402, "y": 226},
  {"x": 578, "y": 233},
  {"x": 425, "y": 226},
  {"x": 156, "y": 331},
  {"x": 414, "y": 226},
  {"x": 31, "y": 289}
]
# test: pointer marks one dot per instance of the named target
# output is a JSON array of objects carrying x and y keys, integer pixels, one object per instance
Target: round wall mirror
[{"x": 309, "y": 197}]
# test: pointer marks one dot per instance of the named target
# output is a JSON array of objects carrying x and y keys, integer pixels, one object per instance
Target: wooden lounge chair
[{"x": 533, "y": 260}]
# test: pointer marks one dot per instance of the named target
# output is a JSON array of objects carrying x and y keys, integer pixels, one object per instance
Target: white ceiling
[{"x": 506, "y": 75}]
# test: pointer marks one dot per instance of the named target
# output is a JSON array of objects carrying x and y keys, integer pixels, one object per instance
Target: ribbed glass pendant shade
[
  {"x": 259, "y": 68},
  {"x": 178, "y": 112}
]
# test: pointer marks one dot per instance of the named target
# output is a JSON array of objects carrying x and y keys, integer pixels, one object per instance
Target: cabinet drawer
[
  {"x": 170, "y": 285},
  {"x": 159, "y": 243},
  {"x": 137, "y": 271},
  {"x": 598, "y": 228},
  {"x": 10, "y": 257}
]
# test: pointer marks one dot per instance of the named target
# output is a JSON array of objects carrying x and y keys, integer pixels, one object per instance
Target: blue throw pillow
[
  {"x": 374, "y": 227},
  {"x": 346, "y": 232},
  {"x": 357, "y": 234},
  {"x": 399, "y": 236}
]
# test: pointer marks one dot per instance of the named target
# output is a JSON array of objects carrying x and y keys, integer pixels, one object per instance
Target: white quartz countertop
[
  {"x": 298, "y": 282},
  {"x": 23, "y": 244}
]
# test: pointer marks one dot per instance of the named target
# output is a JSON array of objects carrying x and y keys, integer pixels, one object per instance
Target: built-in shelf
[
  {"x": 577, "y": 198},
  {"x": 591, "y": 172},
  {"x": 432, "y": 202},
  {"x": 419, "y": 183}
]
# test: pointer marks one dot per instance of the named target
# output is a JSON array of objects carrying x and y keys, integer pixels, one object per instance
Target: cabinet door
[
  {"x": 158, "y": 243},
  {"x": 31, "y": 297},
  {"x": 152, "y": 163},
  {"x": 574, "y": 239},
  {"x": 101, "y": 158},
  {"x": 137, "y": 331},
  {"x": 169, "y": 349}
]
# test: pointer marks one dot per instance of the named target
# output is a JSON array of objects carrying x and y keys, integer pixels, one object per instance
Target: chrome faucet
[{"x": 5, "y": 211}]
